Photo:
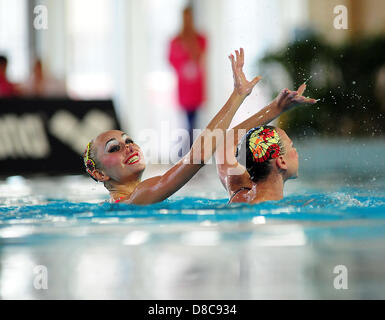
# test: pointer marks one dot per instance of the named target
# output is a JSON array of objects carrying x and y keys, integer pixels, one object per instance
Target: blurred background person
[
  {"x": 7, "y": 88},
  {"x": 187, "y": 56},
  {"x": 42, "y": 84}
]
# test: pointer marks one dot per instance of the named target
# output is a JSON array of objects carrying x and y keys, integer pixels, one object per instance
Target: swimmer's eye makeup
[
  {"x": 113, "y": 145},
  {"x": 114, "y": 149},
  {"x": 128, "y": 141}
]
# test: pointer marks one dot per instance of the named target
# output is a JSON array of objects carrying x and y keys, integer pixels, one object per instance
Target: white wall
[
  {"x": 255, "y": 25},
  {"x": 14, "y": 37},
  {"x": 51, "y": 43}
]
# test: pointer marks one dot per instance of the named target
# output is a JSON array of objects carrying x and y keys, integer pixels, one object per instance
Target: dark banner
[
  {"x": 194, "y": 309},
  {"x": 49, "y": 135}
]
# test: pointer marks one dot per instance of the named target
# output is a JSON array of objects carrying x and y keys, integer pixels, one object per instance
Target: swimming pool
[{"x": 194, "y": 246}]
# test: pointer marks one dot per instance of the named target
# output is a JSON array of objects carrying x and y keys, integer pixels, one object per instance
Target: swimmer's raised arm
[
  {"x": 285, "y": 101},
  {"x": 232, "y": 175},
  {"x": 161, "y": 187}
]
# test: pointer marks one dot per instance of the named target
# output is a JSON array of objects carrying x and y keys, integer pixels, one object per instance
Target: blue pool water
[
  {"x": 344, "y": 205},
  {"x": 194, "y": 245}
]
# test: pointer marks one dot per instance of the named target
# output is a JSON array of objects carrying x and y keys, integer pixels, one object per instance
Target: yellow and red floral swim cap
[{"x": 264, "y": 144}]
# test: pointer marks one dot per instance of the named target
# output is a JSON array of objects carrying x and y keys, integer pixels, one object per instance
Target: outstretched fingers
[
  {"x": 239, "y": 59},
  {"x": 302, "y": 99},
  {"x": 242, "y": 57},
  {"x": 237, "y": 56},
  {"x": 301, "y": 89},
  {"x": 256, "y": 80},
  {"x": 292, "y": 94},
  {"x": 241, "y": 84},
  {"x": 231, "y": 57},
  {"x": 310, "y": 100}
]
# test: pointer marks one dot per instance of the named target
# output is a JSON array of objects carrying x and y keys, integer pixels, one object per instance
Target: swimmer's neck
[
  {"x": 118, "y": 191},
  {"x": 269, "y": 189}
]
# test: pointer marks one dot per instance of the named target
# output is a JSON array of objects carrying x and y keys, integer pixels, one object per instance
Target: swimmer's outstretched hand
[
  {"x": 288, "y": 99},
  {"x": 241, "y": 85}
]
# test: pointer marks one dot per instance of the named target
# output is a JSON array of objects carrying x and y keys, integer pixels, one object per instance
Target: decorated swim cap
[
  {"x": 88, "y": 162},
  {"x": 264, "y": 143}
]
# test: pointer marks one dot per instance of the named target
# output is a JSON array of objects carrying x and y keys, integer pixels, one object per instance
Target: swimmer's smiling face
[{"x": 120, "y": 158}]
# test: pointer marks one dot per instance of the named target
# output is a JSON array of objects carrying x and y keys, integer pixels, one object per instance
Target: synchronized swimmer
[
  {"x": 116, "y": 160},
  {"x": 254, "y": 167}
]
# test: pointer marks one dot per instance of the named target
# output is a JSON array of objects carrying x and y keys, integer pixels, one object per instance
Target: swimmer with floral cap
[
  {"x": 116, "y": 160},
  {"x": 254, "y": 166}
]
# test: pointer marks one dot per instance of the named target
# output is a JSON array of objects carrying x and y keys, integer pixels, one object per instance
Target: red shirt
[
  {"x": 191, "y": 82},
  {"x": 7, "y": 89}
]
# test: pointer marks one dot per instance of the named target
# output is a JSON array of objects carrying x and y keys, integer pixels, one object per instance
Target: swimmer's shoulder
[{"x": 240, "y": 196}]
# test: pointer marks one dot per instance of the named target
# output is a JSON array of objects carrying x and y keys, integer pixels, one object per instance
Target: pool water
[{"x": 194, "y": 245}]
